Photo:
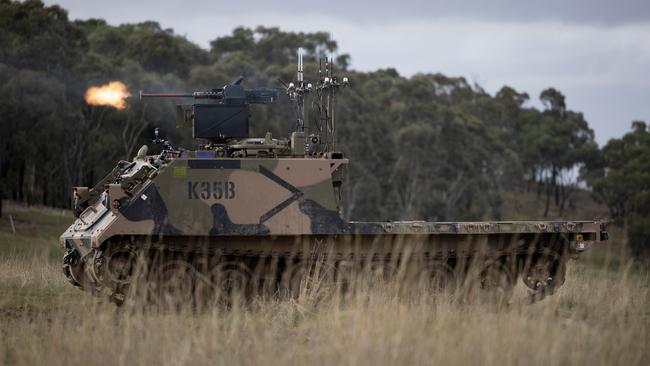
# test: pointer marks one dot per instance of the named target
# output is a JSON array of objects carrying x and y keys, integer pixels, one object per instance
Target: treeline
[{"x": 429, "y": 146}]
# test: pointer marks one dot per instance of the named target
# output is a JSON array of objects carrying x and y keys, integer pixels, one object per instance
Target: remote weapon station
[{"x": 259, "y": 212}]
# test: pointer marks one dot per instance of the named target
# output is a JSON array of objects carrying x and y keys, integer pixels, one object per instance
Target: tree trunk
[
  {"x": 31, "y": 183},
  {"x": 21, "y": 181},
  {"x": 556, "y": 187},
  {"x": 548, "y": 198},
  {"x": 563, "y": 199},
  {"x": 45, "y": 192},
  {"x": 531, "y": 180}
]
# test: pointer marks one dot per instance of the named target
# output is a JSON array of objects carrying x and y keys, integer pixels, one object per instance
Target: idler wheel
[
  {"x": 173, "y": 285},
  {"x": 440, "y": 277},
  {"x": 230, "y": 279},
  {"x": 545, "y": 273},
  {"x": 494, "y": 284},
  {"x": 115, "y": 265},
  {"x": 433, "y": 278}
]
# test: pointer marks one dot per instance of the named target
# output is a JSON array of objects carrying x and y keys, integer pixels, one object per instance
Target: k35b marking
[{"x": 211, "y": 190}]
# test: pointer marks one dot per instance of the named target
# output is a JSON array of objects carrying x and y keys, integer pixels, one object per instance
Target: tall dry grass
[{"x": 599, "y": 317}]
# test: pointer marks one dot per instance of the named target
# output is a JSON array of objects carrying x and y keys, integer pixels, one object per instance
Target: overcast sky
[{"x": 596, "y": 52}]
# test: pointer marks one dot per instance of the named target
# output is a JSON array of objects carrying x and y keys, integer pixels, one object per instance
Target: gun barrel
[
  {"x": 197, "y": 95},
  {"x": 165, "y": 95}
]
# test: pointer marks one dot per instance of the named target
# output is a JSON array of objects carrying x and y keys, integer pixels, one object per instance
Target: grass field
[{"x": 601, "y": 316}]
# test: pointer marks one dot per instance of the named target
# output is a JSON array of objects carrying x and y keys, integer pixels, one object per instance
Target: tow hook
[{"x": 70, "y": 259}]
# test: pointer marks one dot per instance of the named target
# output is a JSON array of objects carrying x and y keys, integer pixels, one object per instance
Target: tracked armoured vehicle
[{"x": 246, "y": 211}]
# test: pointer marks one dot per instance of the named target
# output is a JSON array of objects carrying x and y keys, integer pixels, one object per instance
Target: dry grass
[{"x": 599, "y": 317}]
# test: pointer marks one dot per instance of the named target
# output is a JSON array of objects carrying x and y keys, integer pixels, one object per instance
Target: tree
[
  {"x": 427, "y": 146},
  {"x": 624, "y": 185}
]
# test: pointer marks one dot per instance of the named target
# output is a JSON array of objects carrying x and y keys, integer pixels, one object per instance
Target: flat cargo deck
[{"x": 591, "y": 230}]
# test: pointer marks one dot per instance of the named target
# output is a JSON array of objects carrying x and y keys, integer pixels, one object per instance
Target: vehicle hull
[{"x": 240, "y": 214}]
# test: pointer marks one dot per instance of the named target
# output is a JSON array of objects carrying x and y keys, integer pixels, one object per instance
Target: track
[{"x": 201, "y": 272}]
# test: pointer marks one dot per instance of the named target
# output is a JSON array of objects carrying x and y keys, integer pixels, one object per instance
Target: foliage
[
  {"x": 422, "y": 147},
  {"x": 621, "y": 179}
]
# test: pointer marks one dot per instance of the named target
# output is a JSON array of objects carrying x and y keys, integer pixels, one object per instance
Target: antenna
[
  {"x": 331, "y": 104},
  {"x": 300, "y": 66},
  {"x": 296, "y": 92},
  {"x": 327, "y": 67},
  {"x": 324, "y": 104},
  {"x": 301, "y": 87}
]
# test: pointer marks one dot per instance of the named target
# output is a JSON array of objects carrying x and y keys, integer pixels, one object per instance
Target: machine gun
[{"x": 225, "y": 116}]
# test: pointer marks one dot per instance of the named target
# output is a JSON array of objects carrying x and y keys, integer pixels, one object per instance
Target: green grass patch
[{"x": 37, "y": 230}]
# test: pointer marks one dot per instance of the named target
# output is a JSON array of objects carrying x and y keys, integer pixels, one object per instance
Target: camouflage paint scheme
[{"x": 260, "y": 197}]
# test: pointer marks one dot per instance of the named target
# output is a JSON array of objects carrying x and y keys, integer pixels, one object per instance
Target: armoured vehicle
[{"x": 244, "y": 211}]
